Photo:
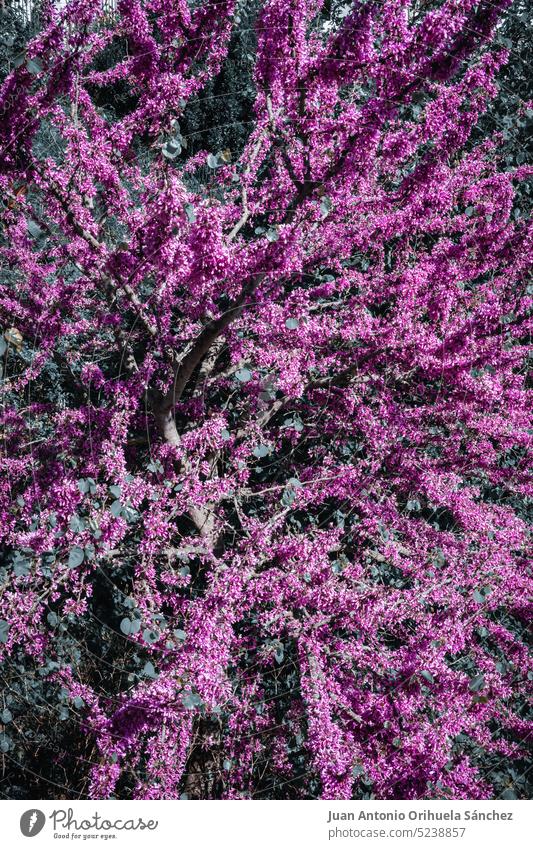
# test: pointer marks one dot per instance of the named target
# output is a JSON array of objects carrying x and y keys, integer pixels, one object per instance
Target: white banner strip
[{"x": 276, "y": 825}]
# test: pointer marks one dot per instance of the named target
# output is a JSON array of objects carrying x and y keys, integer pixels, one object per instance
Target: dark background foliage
[{"x": 45, "y": 750}]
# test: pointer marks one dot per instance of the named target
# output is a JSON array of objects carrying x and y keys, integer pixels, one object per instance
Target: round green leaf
[
  {"x": 292, "y": 323},
  {"x": 4, "y": 630},
  {"x": 116, "y": 508},
  {"x": 477, "y": 684},
  {"x": 261, "y": 451},
  {"x": 76, "y": 557}
]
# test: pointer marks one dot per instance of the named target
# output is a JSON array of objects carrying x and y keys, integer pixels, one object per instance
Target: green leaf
[
  {"x": 86, "y": 485},
  {"x": 116, "y": 491},
  {"x": 384, "y": 533},
  {"x": 438, "y": 558},
  {"x": 172, "y": 148},
  {"x": 243, "y": 374},
  {"x": 180, "y": 634},
  {"x": 212, "y": 161},
  {"x": 481, "y": 594},
  {"x": 149, "y": 670},
  {"x": 34, "y": 66},
  {"x": 168, "y": 155},
  {"x": 21, "y": 565},
  {"x": 428, "y": 676},
  {"x": 191, "y": 700},
  {"x": 288, "y": 497},
  {"x": 125, "y": 626},
  {"x": 33, "y": 229},
  {"x": 477, "y": 683},
  {"x": 76, "y": 557},
  {"x": 261, "y": 451},
  {"x": 130, "y": 514},
  {"x": 90, "y": 551},
  {"x": 116, "y": 508},
  {"x": 272, "y": 234},
  {"x": 4, "y": 630},
  {"x": 292, "y": 323},
  {"x": 76, "y": 524},
  {"x": 325, "y": 206}
]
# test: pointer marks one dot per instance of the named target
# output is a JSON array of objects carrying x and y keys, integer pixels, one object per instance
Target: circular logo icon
[{"x": 32, "y": 822}]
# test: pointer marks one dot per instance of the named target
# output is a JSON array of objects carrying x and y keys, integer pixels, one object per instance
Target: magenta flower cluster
[{"x": 296, "y": 404}]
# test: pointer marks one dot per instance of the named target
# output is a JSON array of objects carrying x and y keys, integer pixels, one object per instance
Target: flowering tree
[{"x": 264, "y": 420}]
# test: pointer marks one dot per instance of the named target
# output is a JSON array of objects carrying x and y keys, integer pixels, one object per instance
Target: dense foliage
[{"x": 264, "y": 418}]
